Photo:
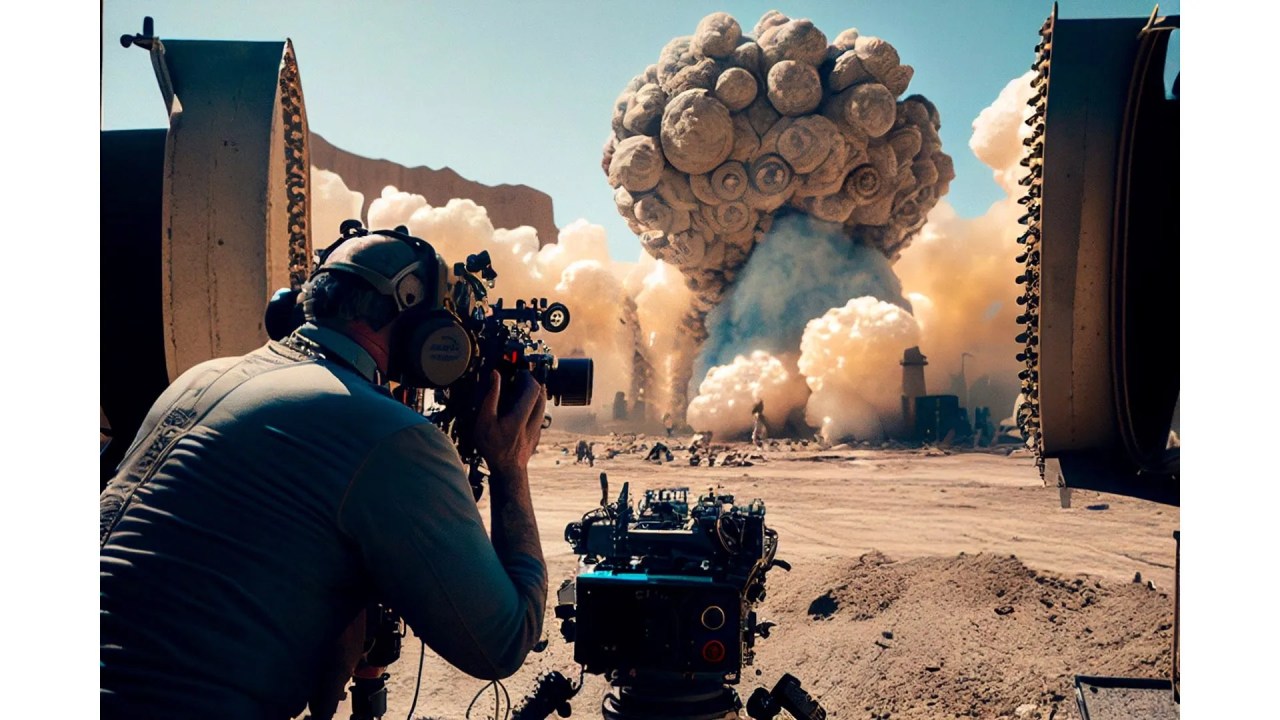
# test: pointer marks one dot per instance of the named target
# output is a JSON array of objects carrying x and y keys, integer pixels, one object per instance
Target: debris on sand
[{"x": 974, "y": 664}]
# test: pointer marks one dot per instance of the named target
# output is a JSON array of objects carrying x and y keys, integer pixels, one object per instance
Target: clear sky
[{"x": 505, "y": 91}]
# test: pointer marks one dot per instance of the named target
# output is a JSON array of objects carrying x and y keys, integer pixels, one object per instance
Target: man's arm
[
  {"x": 507, "y": 442},
  {"x": 477, "y": 602}
]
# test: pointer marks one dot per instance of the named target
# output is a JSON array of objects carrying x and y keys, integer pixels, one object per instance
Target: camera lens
[{"x": 569, "y": 382}]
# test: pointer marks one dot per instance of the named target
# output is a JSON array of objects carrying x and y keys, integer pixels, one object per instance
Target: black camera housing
[
  {"x": 665, "y": 592},
  {"x": 687, "y": 625},
  {"x": 503, "y": 339}
]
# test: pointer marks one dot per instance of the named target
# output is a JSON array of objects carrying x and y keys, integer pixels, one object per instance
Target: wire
[
  {"x": 496, "y": 685},
  {"x": 417, "y": 687}
]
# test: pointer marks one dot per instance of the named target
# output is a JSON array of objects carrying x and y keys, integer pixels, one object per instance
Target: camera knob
[
  {"x": 713, "y": 618},
  {"x": 555, "y": 318}
]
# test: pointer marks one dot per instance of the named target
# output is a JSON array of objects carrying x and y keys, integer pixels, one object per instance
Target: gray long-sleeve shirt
[{"x": 301, "y": 496}]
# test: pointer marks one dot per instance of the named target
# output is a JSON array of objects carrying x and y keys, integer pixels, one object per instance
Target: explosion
[
  {"x": 779, "y": 173},
  {"x": 726, "y": 130},
  {"x": 775, "y": 182}
]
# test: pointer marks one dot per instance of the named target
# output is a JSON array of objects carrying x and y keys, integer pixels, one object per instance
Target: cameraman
[{"x": 269, "y": 498}]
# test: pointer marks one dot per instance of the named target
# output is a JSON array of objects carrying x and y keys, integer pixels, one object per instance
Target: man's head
[
  {"x": 387, "y": 292},
  {"x": 373, "y": 280}
]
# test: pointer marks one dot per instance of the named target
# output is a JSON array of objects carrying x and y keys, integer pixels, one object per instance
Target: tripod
[
  {"x": 695, "y": 701},
  {"x": 707, "y": 700}
]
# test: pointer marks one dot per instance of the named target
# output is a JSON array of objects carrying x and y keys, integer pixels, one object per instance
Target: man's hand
[{"x": 507, "y": 441}]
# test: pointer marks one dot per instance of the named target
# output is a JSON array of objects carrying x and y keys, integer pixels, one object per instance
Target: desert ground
[{"x": 926, "y": 582}]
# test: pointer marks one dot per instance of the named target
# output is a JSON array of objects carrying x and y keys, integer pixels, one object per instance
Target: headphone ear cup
[
  {"x": 435, "y": 352},
  {"x": 283, "y": 315}
]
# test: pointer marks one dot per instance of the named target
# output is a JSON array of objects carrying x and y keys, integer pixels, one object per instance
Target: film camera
[
  {"x": 455, "y": 335},
  {"x": 503, "y": 341},
  {"x": 663, "y": 608}
]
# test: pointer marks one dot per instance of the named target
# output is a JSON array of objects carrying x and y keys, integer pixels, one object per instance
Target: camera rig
[
  {"x": 686, "y": 574},
  {"x": 503, "y": 339},
  {"x": 663, "y": 607}
]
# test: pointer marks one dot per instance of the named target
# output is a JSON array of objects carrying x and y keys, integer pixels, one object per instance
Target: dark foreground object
[{"x": 1112, "y": 698}]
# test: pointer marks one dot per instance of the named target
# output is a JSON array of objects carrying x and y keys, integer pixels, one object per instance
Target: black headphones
[{"x": 430, "y": 348}]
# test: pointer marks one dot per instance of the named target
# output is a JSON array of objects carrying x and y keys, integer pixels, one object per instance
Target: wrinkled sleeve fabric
[{"x": 410, "y": 510}]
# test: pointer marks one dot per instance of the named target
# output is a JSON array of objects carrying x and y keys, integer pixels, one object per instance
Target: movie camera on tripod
[{"x": 664, "y": 605}]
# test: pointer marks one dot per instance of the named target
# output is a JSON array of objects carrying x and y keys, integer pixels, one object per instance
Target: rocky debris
[{"x": 974, "y": 664}]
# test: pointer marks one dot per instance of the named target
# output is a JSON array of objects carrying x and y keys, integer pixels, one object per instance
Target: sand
[{"x": 926, "y": 583}]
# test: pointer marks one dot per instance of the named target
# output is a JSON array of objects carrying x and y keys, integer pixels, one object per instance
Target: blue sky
[{"x": 522, "y": 92}]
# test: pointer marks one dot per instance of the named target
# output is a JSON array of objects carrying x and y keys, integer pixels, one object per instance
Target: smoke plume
[
  {"x": 813, "y": 314},
  {"x": 802, "y": 268},
  {"x": 728, "y": 393},
  {"x": 963, "y": 269},
  {"x": 849, "y": 358},
  {"x": 727, "y": 129}
]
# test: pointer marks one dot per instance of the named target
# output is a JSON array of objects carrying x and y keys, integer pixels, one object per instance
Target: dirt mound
[{"x": 965, "y": 636}]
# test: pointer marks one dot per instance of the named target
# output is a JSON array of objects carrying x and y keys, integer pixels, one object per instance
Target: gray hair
[{"x": 344, "y": 296}]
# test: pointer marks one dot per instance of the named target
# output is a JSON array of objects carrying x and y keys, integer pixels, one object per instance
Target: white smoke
[
  {"x": 999, "y": 130},
  {"x": 850, "y": 359},
  {"x": 662, "y": 299},
  {"x": 575, "y": 270},
  {"x": 960, "y": 272},
  {"x": 729, "y": 392},
  {"x": 331, "y": 204}
]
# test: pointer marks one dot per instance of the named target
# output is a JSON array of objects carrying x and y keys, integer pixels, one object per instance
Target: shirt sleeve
[{"x": 410, "y": 510}]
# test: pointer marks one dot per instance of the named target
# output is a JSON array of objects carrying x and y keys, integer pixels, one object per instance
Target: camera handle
[
  {"x": 552, "y": 694},
  {"x": 786, "y": 695}
]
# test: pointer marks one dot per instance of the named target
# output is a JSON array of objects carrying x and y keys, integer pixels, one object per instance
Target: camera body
[
  {"x": 665, "y": 592},
  {"x": 502, "y": 340},
  {"x": 503, "y": 336}
]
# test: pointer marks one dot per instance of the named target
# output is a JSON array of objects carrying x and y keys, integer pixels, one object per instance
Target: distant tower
[{"x": 913, "y": 362}]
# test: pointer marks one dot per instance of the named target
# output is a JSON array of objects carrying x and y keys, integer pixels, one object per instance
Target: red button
[{"x": 713, "y": 651}]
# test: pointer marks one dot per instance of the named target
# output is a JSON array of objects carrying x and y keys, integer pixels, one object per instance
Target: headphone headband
[
  {"x": 429, "y": 345},
  {"x": 409, "y": 286}
]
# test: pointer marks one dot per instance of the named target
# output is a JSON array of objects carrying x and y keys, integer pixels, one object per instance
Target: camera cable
[
  {"x": 417, "y": 686},
  {"x": 496, "y": 685}
]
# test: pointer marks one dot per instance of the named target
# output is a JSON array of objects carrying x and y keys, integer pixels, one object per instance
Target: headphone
[{"x": 430, "y": 348}]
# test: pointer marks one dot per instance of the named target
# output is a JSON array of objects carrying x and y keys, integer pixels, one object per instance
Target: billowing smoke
[
  {"x": 331, "y": 203},
  {"x": 727, "y": 395},
  {"x": 662, "y": 305},
  {"x": 784, "y": 176},
  {"x": 960, "y": 271},
  {"x": 803, "y": 267},
  {"x": 780, "y": 173},
  {"x": 849, "y": 358},
  {"x": 727, "y": 129}
]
